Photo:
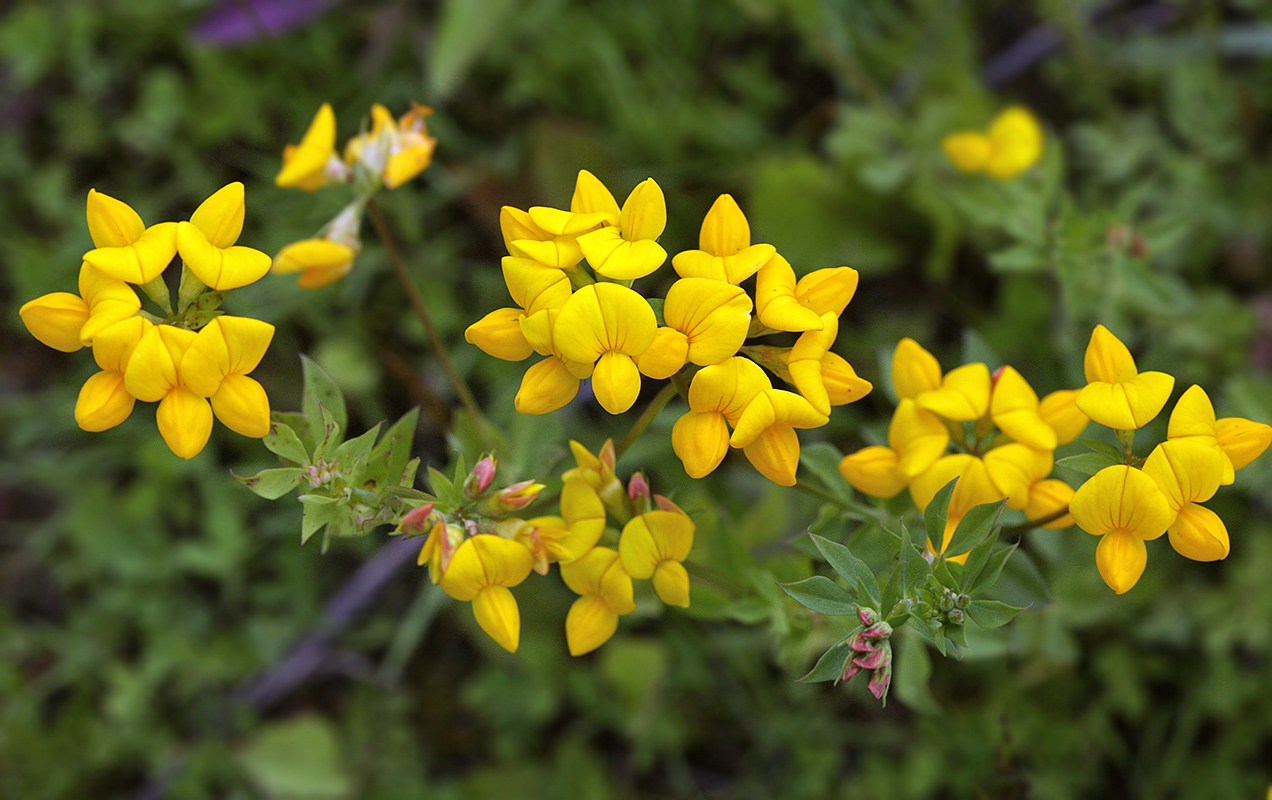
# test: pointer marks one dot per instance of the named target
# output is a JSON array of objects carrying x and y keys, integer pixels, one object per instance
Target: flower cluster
[
  {"x": 1131, "y": 503},
  {"x": 991, "y": 432},
  {"x": 477, "y": 551},
  {"x": 870, "y": 649},
  {"x": 569, "y": 273},
  {"x": 193, "y": 360},
  {"x": 1012, "y": 144},
  {"x": 387, "y": 156}
]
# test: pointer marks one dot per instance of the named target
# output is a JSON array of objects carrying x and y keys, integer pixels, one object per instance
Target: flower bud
[
  {"x": 639, "y": 494},
  {"x": 480, "y": 478},
  {"x": 956, "y": 616},
  {"x": 861, "y": 644},
  {"x": 850, "y": 669},
  {"x": 514, "y": 497},
  {"x": 879, "y": 682},
  {"x": 874, "y": 659},
  {"x": 868, "y": 616},
  {"x": 417, "y": 520},
  {"x": 879, "y": 630}
]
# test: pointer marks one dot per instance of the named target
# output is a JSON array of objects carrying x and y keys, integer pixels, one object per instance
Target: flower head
[{"x": 1117, "y": 395}]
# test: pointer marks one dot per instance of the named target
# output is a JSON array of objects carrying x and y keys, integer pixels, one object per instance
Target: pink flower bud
[
  {"x": 666, "y": 505},
  {"x": 879, "y": 682},
  {"x": 850, "y": 669},
  {"x": 417, "y": 520},
  {"x": 479, "y": 479},
  {"x": 879, "y": 630},
  {"x": 638, "y": 488},
  {"x": 861, "y": 644},
  {"x": 868, "y": 616},
  {"x": 874, "y": 659},
  {"x": 514, "y": 497}
]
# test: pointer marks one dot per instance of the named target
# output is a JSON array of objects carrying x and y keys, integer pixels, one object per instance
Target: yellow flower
[
  {"x": 104, "y": 401},
  {"x": 320, "y": 262},
  {"x": 481, "y": 571},
  {"x": 974, "y": 488},
  {"x": 630, "y": 249},
  {"x": 652, "y": 546},
  {"x": 569, "y": 536},
  {"x": 873, "y": 471},
  {"x": 914, "y": 370},
  {"x": 807, "y": 363},
  {"x": 1124, "y": 507},
  {"x": 395, "y": 151},
  {"x": 1060, "y": 410},
  {"x": 766, "y": 432},
  {"x": 313, "y": 163},
  {"x": 553, "y": 382},
  {"x": 1240, "y": 440},
  {"x": 124, "y": 248},
  {"x": 216, "y": 366},
  {"x": 598, "y": 471},
  {"x": 1189, "y": 472},
  {"x": 525, "y": 239},
  {"x": 707, "y": 322},
  {"x": 1046, "y": 497},
  {"x": 963, "y": 394},
  {"x": 1013, "y": 407},
  {"x": 1015, "y": 468},
  {"x": 153, "y": 374},
  {"x": 56, "y": 320},
  {"x": 725, "y": 251},
  {"x": 499, "y": 334},
  {"x": 776, "y": 303},
  {"x": 592, "y": 207},
  {"x": 717, "y": 397},
  {"x": 605, "y": 593},
  {"x": 609, "y": 325},
  {"x": 1117, "y": 395},
  {"x": 1013, "y": 144},
  {"x": 919, "y": 438},
  {"x": 206, "y": 242}
]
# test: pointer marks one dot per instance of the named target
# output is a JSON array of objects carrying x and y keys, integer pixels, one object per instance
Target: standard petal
[
  {"x": 111, "y": 222},
  {"x": 1186, "y": 471},
  {"x": 1121, "y": 498},
  {"x": 313, "y": 152},
  {"x": 914, "y": 370},
  {"x": 1013, "y": 406},
  {"x": 919, "y": 438},
  {"x": 827, "y": 291},
  {"x": 1046, "y": 497},
  {"x": 1121, "y": 558},
  {"x": 713, "y": 315},
  {"x": 591, "y": 197},
  {"x": 143, "y": 260},
  {"x": 242, "y": 406},
  {"x": 725, "y": 230},
  {"x": 728, "y": 387},
  {"x": 103, "y": 402},
  {"x": 219, "y": 268},
  {"x": 56, "y": 319},
  {"x": 185, "y": 422},
  {"x": 1060, "y": 410},
  {"x": 1014, "y": 469},
  {"x": 644, "y": 213}
]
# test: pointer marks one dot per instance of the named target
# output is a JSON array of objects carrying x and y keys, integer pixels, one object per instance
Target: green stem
[
  {"x": 647, "y": 416},
  {"x": 157, "y": 290},
  {"x": 1127, "y": 440},
  {"x": 417, "y": 304},
  {"x": 858, "y": 512},
  {"x": 1025, "y": 527}
]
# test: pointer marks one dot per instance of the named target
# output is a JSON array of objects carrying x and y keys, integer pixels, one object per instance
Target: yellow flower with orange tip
[
  {"x": 104, "y": 401},
  {"x": 598, "y": 471},
  {"x": 653, "y": 546},
  {"x": 630, "y": 249},
  {"x": 1013, "y": 144},
  {"x": 707, "y": 322},
  {"x": 313, "y": 163},
  {"x": 1239, "y": 440},
  {"x": 717, "y": 397},
  {"x": 568, "y": 536},
  {"x": 394, "y": 151},
  {"x": 320, "y": 262},
  {"x": 216, "y": 366},
  {"x": 1117, "y": 395},
  {"x": 481, "y": 571},
  {"x": 1125, "y": 507},
  {"x": 609, "y": 325},
  {"x": 766, "y": 432},
  {"x": 605, "y": 594},
  {"x": 153, "y": 375},
  {"x": 725, "y": 251},
  {"x": 1189, "y": 472},
  {"x": 68, "y": 322},
  {"x": 124, "y": 248},
  {"x": 1013, "y": 407},
  {"x": 207, "y": 242},
  {"x": 439, "y": 548}
]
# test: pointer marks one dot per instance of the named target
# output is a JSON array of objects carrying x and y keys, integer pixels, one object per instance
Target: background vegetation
[{"x": 151, "y": 608}]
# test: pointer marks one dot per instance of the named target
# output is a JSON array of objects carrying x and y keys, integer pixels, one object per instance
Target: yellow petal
[
  {"x": 775, "y": 454},
  {"x": 409, "y": 162},
  {"x": 1107, "y": 360},
  {"x": 1186, "y": 471},
  {"x": 652, "y": 537},
  {"x": 974, "y": 486},
  {"x": 1198, "y": 533},
  {"x": 496, "y": 611},
  {"x": 1127, "y": 405},
  {"x": 546, "y": 386},
  {"x": 242, "y": 406},
  {"x": 644, "y": 213},
  {"x": 559, "y": 252},
  {"x": 725, "y": 230},
  {"x": 141, "y": 261},
  {"x": 584, "y": 513},
  {"x": 225, "y": 346},
  {"x": 914, "y": 370},
  {"x": 805, "y": 362},
  {"x": 219, "y": 268},
  {"x": 1060, "y": 410},
  {"x": 1242, "y": 440},
  {"x": 1013, "y": 407},
  {"x": 499, "y": 334},
  {"x": 220, "y": 217},
  {"x": 602, "y": 317},
  {"x": 320, "y": 261},
  {"x": 775, "y": 302},
  {"x": 152, "y": 369},
  {"x": 963, "y": 394},
  {"x": 827, "y": 291},
  {"x": 1016, "y": 143},
  {"x": 1047, "y": 497},
  {"x": 111, "y": 222},
  {"x": 619, "y": 259},
  {"x": 616, "y": 382},
  {"x": 56, "y": 319},
  {"x": 841, "y": 381},
  {"x": 591, "y": 197},
  {"x": 666, "y": 355},
  {"x": 103, "y": 402},
  {"x": 873, "y": 471},
  {"x": 589, "y": 624},
  {"x": 185, "y": 422},
  {"x": 1121, "y": 498},
  {"x": 727, "y": 388},
  {"x": 114, "y": 346},
  {"x": 700, "y": 439},
  {"x": 313, "y": 152},
  {"x": 919, "y": 437},
  {"x": 967, "y": 151},
  {"x": 775, "y": 408},
  {"x": 1014, "y": 469},
  {"x": 109, "y": 301},
  {"x": 714, "y": 316},
  {"x": 534, "y": 286},
  {"x": 516, "y": 224},
  {"x": 671, "y": 583},
  {"x": 1121, "y": 558}
]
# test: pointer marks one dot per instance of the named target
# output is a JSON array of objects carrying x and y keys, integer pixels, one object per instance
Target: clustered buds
[
  {"x": 475, "y": 551},
  {"x": 193, "y": 360},
  {"x": 870, "y": 650}
]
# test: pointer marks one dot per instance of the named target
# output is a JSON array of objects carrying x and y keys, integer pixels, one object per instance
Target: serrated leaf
[
  {"x": 851, "y": 568},
  {"x": 272, "y": 483},
  {"x": 822, "y": 595},
  {"x": 321, "y": 390},
  {"x": 975, "y": 527},
  {"x": 991, "y": 613},
  {"x": 1087, "y": 463},
  {"x": 830, "y": 667},
  {"x": 283, "y": 441},
  {"x": 935, "y": 515}
]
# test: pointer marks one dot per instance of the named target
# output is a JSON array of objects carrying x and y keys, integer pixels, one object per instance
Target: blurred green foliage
[{"x": 142, "y": 595}]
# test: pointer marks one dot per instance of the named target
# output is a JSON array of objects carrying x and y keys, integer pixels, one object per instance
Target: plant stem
[
  {"x": 417, "y": 304},
  {"x": 647, "y": 416},
  {"x": 857, "y": 512},
  {"x": 1025, "y": 527}
]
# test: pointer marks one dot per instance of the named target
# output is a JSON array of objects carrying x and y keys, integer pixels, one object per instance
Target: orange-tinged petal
[
  {"x": 1046, "y": 497},
  {"x": 1121, "y": 498},
  {"x": 873, "y": 471},
  {"x": 1060, "y": 410},
  {"x": 1128, "y": 405},
  {"x": 919, "y": 438},
  {"x": 713, "y": 315},
  {"x": 1198, "y": 533},
  {"x": 827, "y": 291},
  {"x": 499, "y": 334},
  {"x": 1107, "y": 360},
  {"x": 671, "y": 583},
  {"x": 152, "y": 369},
  {"x": 914, "y": 370},
  {"x": 1121, "y": 558},
  {"x": 141, "y": 261},
  {"x": 666, "y": 355},
  {"x": 963, "y": 394},
  {"x": 1242, "y": 439},
  {"x": 589, "y": 624},
  {"x": 700, "y": 439},
  {"x": 967, "y": 151},
  {"x": 546, "y": 386},
  {"x": 775, "y": 302},
  {"x": 242, "y": 406},
  {"x": 616, "y": 382},
  {"x": 103, "y": 402},
  {"x": 314, "y": 151},
  {"x": 220, "y": 217},
  {"x": 1186, "y": 471},
  {"x": 1013, "y": 406},
  {"x": 496, "y": 611},
  {"x": 56, "y": 319},
  {"x": 185, "y": 421},
  {"x": 111, "y": 222}
]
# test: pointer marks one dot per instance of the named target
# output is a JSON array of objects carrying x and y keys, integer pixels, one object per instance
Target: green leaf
[
  {"x": 853, "y": 569},
  {"x": 1096, "y": 446},
  {"x": 390, "y": 456},
  {"x": 321, "y": 392},
  {"x": 822, "y": 595},
  {"x": 975, "y": 527},
  {"x": 915, "y": 569},
  {"x": 355, "y": 450},
  {"x": 272, "y": 483},
  {"x": 283, "y": 441},
  {"x": 911, "y": 673},
  {"x": 983, "y": 566},
  {"x": 1019, "y": 258},
  {"x": 299, "y": 423},
  {"x": 298, "y": 757},
  {"x": 1088, "y": 463},
  {"x": 822, "y": 459},
  {"x": 935, "y": 515},
  {"x": 319, "y": 510},
  {"x": 448, "y": 494},
  {"x": 991, "y": 613},
  {"x": 830, "y": 667},
  {"x": 330, "y": 433}
]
